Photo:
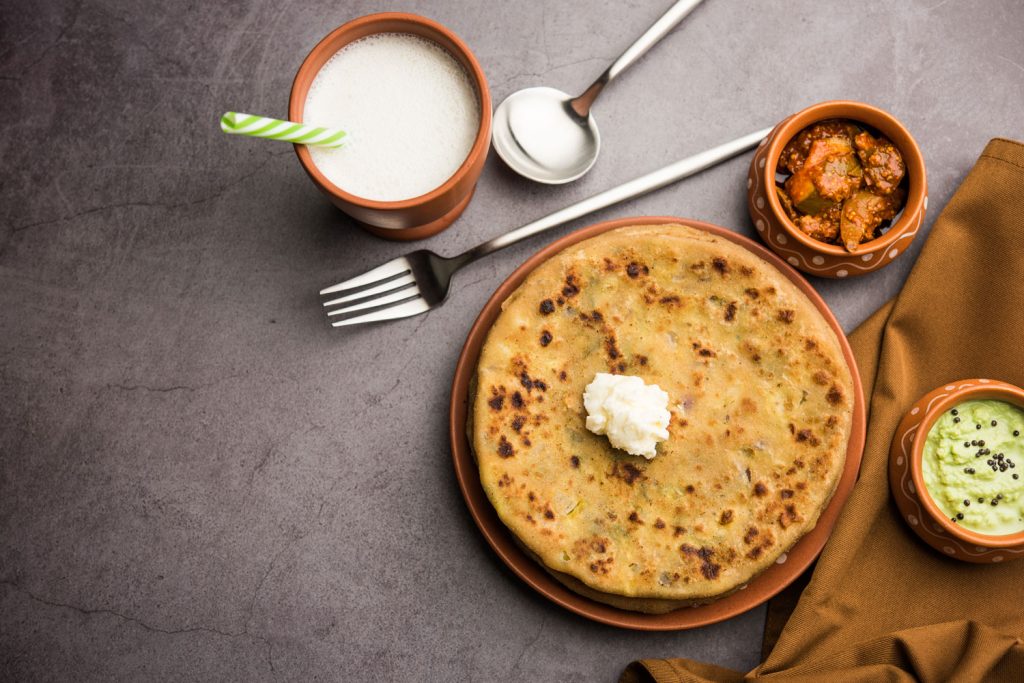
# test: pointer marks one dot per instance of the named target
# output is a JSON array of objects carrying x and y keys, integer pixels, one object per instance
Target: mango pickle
[
  {"x": 863, "y": 213},
  {"x": 804, "y": 194},
  {"x": 845, "y": 183},
  {"x": 787, "y": 203}
]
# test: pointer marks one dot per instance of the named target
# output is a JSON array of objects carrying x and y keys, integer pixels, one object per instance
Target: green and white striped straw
[{"x": 274, "y": 129}]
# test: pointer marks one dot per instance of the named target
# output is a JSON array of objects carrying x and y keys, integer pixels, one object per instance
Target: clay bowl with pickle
[{"x": 838, "y": 189}]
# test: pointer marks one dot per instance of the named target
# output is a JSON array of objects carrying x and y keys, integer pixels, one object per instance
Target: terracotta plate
[{"x": 786, "y": 569}]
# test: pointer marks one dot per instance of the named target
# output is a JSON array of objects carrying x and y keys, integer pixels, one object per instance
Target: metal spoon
[{"x": 546, "y": 135}]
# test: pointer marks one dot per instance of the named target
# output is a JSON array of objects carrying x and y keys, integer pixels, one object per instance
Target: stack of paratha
[{"x": 761, "y": 401}]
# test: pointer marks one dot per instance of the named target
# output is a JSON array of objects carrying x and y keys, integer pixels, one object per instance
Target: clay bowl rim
[
  {"x": 991, "y": 389},
  {"x": 483, "y": 133},
  {"x": 499, "y": 539},
  {"x": 855, "y": 111}
]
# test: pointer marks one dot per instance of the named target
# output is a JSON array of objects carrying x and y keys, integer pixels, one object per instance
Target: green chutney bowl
[{"x": 906, "y": 476}]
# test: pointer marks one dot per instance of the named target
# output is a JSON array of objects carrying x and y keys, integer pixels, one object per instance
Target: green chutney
[{"x": 973, "y": 466}]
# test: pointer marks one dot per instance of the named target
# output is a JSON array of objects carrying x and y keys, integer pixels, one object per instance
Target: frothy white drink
[{"x": 409, "y": 107}]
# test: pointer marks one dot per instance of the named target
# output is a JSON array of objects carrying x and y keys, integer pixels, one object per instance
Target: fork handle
[{"x": 683, "y": 168}]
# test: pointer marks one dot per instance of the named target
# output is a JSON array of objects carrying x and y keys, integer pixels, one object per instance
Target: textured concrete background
[{"x": 197, "y": 478}]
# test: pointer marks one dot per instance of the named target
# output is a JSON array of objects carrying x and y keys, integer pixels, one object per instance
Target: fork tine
[
  {"x": 400, "y": 282},
  {"x": 374, "y": 302},
  {"x": 397, "y": 266},
  {"x": 409, "y": 308}
]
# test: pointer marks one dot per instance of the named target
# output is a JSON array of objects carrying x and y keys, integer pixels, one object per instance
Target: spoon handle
[
  {"x": 667, "y": 175},
  {"x": 668, "y": 21}
]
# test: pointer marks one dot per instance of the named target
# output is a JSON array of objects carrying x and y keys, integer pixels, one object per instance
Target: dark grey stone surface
[{"x": 197, "y": 478}]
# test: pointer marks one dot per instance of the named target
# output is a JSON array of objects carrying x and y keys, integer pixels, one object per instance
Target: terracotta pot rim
[
  {"x": 480, "y": 143},
  {"x": 848, "y": 109},
  {"x": 975, "y": 389}
]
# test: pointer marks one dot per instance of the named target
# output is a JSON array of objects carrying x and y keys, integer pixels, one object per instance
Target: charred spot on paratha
[
  {"x": 703, "y": 351},
  {"x": 635, "y": 270},
  {"x": 704, "y": 556},
  {"x": 808, "y": 437},
  {"x": 789, "y": 515},
  {"x": 627, "y": 472},
  {"x": 571, "y": 287}
]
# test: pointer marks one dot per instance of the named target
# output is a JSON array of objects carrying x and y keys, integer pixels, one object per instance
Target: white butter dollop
[{"x": 632, "y": 414}]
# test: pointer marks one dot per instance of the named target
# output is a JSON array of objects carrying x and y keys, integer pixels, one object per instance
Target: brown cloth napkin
[{"x": 882, "y": 605}]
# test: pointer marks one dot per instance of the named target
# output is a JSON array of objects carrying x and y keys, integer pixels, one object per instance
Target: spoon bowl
[
  {"x": 551, "y": 137},
  {"x": 538, "y": 134}
]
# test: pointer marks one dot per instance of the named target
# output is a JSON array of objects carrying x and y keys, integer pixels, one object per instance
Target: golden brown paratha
[{"x": 761, "y": 401}]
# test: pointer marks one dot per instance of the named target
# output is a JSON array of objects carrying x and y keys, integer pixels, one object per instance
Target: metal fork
[{"x": 415, "y": 283}]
